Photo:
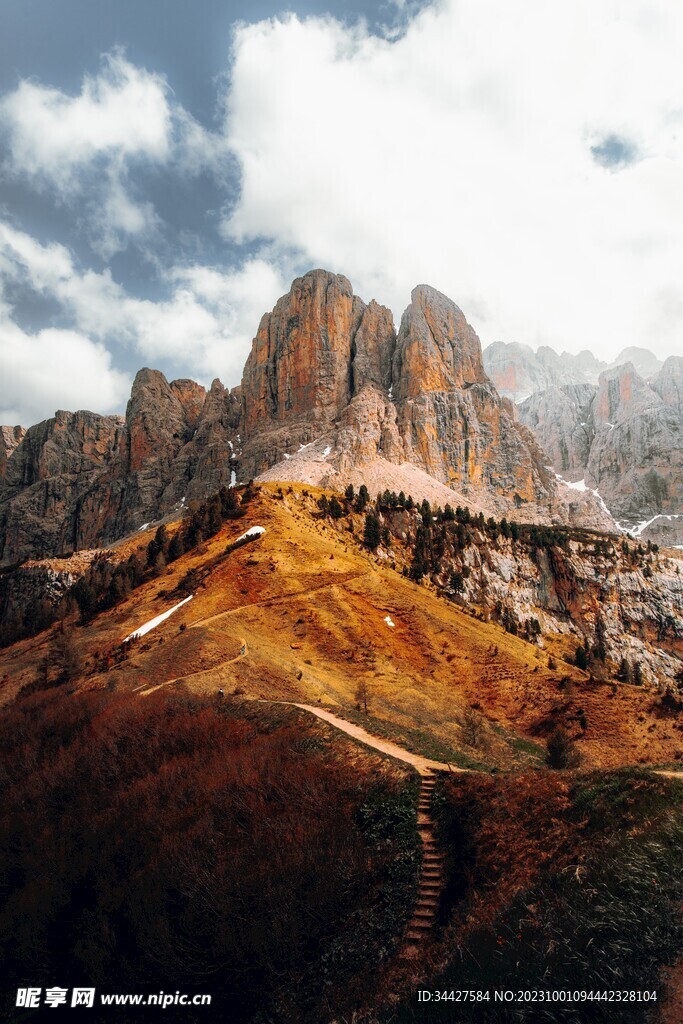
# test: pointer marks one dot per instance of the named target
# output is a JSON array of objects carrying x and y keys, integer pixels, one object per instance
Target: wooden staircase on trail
[{"x": 422, "y": 923}]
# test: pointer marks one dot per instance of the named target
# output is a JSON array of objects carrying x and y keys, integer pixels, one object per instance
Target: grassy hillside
[{"x": 301, "y": 613}]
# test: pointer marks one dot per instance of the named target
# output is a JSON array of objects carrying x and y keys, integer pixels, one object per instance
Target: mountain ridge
[
  {"x": 323, "y": 365},
  {"x": 518, "y": 371}
]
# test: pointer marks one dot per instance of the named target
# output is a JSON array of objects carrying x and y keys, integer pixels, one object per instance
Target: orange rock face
[
  {"x": 450, "y": 414},
  {"x": 10, "y": 438},
  {"x": 316, "y": 349}
]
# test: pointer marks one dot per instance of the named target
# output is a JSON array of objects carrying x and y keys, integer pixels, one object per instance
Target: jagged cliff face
[
  {"x": 80, "y": 480},
  {"x": 48, "y": 477},
  {"x": 632, "y": 595},
  {"x": 625, "y": 438},
  {"x": 316, "y": 350},
  {"x": 327, "y": 375},
  {"x": 451, "y": 417},
  {"x": 10, "y": 438}
]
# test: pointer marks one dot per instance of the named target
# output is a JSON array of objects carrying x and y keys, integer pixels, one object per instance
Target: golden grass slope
[{"x": 299, "y": 614}]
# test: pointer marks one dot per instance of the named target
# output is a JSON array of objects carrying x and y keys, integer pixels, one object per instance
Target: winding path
[
  {"x": 423, "y": 764},
  {"x": 426, "y": 906},
  {"x": 244, "y": 651}
]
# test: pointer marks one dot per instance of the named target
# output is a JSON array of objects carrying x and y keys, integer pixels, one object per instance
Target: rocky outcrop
[
  {"x": 450, "y": 415},
  {"x": 669, "y": 383},
  {"x": 80, "y": 480},
  {"x": 10, "y": 439},
  {"x": 422, "y": 398},
  {"x": 624, "y": 438},
  {"x": 635, "y": 600},
  {"x": 211, "y": 459},
  {"x": 47, "y": 477},
  {"x": 561, "y": 418}
]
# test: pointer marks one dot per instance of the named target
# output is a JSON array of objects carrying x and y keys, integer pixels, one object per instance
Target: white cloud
[
  {"x": 460, "y": 155},
  {"x": 87, "y": 146},
  {"x": 206, "y": 324},
  {"x": 122, "y": 111},
  {"x": 55, "y": 369}
]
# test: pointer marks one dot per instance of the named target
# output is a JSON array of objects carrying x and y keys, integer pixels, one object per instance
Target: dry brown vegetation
[
  {"x": 566, "y": 883},
  {"x": 179, "y": 843}
]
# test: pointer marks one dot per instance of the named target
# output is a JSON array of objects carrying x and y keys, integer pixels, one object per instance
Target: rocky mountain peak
[
  {"x": 10, "y": 439},
  {"x": 436, "y": 349},
  {"x": 156, "y": 419},
  {"x": 669, "y": 383},
  {"x": 312, "y": 353},
  {"x": 622, "y": 393},
  {"x": 644, "y": 362}
]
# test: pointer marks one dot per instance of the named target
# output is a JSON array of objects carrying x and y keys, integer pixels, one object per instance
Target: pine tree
[
  {"x": 559, "y": 749},
  {"x": 334, "y": 508},
  {"x": 176, "y": 548},
  {"x": 64, "y": 655},
  {"x": 371, "y": 533},
  {"x": 456, "y": 582},
  {"x": 625, "y": 673}
]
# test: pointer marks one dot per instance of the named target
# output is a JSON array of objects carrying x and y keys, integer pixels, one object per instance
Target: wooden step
[{"x": 421, "y": 924}]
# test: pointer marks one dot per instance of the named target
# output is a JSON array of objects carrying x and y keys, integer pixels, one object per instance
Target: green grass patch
[
  {"x": 416, "y": 740},
  {"x": 525, "y": 750},
  {"x": 609, "y": 803}
]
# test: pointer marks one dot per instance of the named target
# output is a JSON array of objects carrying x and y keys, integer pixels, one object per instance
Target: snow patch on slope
[
  {"x": 153, "y": 623},
  {"x": 253, "y": 531}
]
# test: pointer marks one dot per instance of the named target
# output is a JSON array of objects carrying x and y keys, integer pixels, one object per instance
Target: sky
[{"x": 167, "y": 167}]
